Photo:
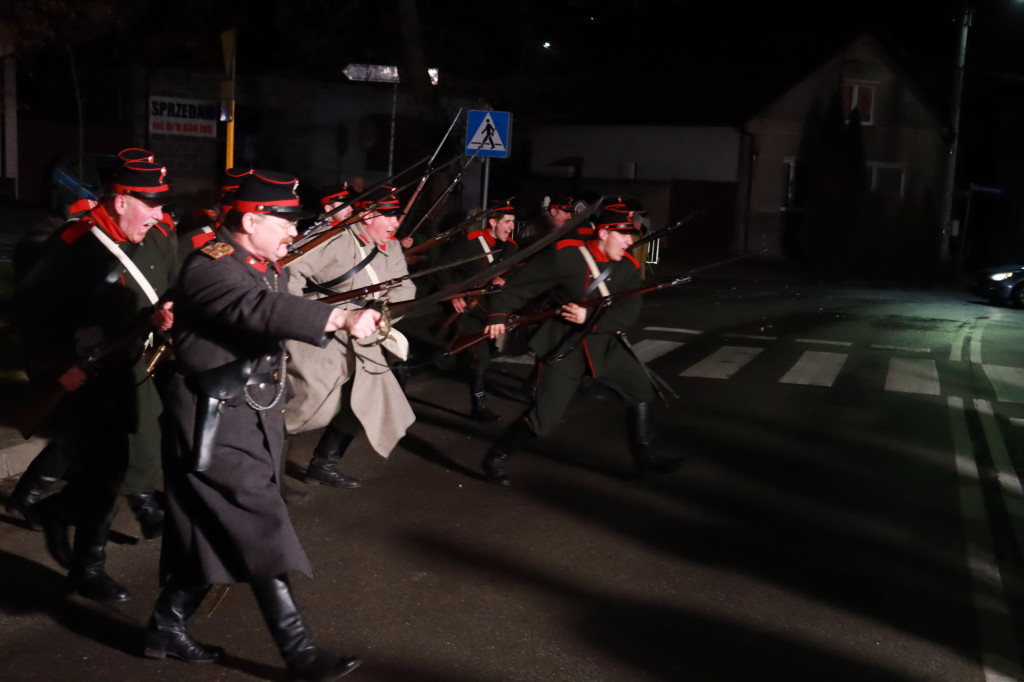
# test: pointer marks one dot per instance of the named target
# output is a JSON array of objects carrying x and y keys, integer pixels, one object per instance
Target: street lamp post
[{"x": 954, "y": 131}]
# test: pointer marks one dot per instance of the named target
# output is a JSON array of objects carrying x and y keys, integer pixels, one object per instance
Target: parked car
[{"x": 1000, "y": 284}]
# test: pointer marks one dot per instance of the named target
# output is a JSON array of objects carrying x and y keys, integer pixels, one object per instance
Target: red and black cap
[
  {"x": 562, "y": 203},
  {"x": 334, "y": 193},
  {"x": 269, "y": 192},
  {"x": 615, "y": 219},
  {"x": 499, "y": 208},
  {"x": 144, "y": 180},
  {"x": 381, "y": 200},
  {"x": 136, "y": 154},
  {"x": 232, "y": 179}
]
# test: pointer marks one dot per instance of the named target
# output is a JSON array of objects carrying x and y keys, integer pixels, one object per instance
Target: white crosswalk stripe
[
  {"x": 908, "y": 375},
  {"x": 1008, "y": 382},
  {"x": 815, "y": 368}
]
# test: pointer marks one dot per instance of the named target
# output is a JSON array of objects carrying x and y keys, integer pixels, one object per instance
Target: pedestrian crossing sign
[{"x": 488, "y": 133}]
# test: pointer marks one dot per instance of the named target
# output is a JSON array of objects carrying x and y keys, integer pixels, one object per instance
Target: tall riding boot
[
  {"x": 87, "y": 576},
  {"x": 42, "y": 473},
  {"x": 52, "y": 515},
  {"x": 304, "y": 659},
  {"x": 478, "y": 398},
  {"x": 166, "y": 635},
  {"x": 326, "y": 454},
  {"x": 641, "y": 441},
  {"x": 514, "y": 439},
  {"x": 148, "y": 511}
]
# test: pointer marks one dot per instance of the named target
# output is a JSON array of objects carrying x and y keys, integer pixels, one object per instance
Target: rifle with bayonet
[
  {"x": 514, "y": 321},
  {"x": 370, "y": 289},
  {"x": 664, "y": 231},
  {"x": 444, "y": 195},
  {"x": 452, "y": 231},
  {"x": 428, "y": 171},
  {"x": 310, "y": 242}
]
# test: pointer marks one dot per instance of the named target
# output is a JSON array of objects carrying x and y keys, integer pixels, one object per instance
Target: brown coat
[{"x": 318, "y": 374}]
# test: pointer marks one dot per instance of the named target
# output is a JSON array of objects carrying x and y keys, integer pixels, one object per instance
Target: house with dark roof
[{"x": 750, "y": 177}]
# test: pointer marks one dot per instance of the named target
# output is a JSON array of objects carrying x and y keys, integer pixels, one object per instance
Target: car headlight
[{"x": 1000, "y": 276}]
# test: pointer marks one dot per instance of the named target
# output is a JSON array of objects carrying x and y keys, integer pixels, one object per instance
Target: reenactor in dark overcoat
[
  {"x": 157, "y": 259},
  {"x": 494, "y": 240},
  {"x": 224, "y": 428},
  {"x": 580, "y": 341},
  {"x": 84, "y": 295}
]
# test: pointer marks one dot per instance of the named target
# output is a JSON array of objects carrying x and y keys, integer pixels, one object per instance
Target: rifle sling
[{"x": 327, "y": 287}]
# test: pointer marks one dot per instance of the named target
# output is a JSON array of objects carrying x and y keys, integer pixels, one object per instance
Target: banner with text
[{"x": 173, "y": 116}]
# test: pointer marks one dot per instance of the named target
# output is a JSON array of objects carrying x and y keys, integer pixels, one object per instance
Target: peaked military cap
[
  {"x": 562, "y": 203},
  {"x": 142, "y": 179},
  {"x": 232, "y": 179},
  {"x": 381, "y": 200},
  {"x": 269, "y": 192},
  {"x": 333, "y": 193}
]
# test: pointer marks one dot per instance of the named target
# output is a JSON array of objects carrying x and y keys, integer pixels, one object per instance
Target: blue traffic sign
[{"x": 488, "y": 133}]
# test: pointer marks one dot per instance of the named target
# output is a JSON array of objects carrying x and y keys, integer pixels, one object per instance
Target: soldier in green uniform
[
  {"x": 496, "y": 242},
  {"x": 581, "y": 341}
]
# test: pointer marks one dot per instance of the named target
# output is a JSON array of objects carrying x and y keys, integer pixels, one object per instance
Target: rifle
[
  {"x": 428, "y": 171},
  {"x": 310, "y": 242},
  {"x": 36, "y": 411},
  {"x": 322, "y": 221},
  {"x": 514, "y": 321},
  {"x": 362, "y": 292},
  {"x": 451, "y": 232},
  {"x": 444, "y": 195},
  {"x": 665, "y": 230}
]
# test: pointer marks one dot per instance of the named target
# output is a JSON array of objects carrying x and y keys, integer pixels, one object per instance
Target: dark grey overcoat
[{"x": 229, "y": 523}]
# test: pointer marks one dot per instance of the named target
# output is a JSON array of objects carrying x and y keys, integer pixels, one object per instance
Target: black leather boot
[
  {"x": 641, "y": 441},
  {"x": 305, "y": 661},
  {"x": 166, "y": 635},
  {"x": 326, "y": 455},
  {"x": 478, "y": 399},
  {"x": 87, "y": 576},
  {"x": 148, "y": 512},
  {"x": 52, "y": 515},
  {"x": 514, "y": 439},
  {"x": 39, "y": 478}
]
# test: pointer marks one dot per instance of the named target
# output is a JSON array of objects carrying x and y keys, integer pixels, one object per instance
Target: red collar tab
[
  {"x": 596, "y": 252},
  {"x": 260, "y": 266}
]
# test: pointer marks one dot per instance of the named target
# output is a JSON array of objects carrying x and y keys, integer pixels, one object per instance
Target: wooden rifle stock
[
  {"x": 37, "y": 409},
  {"x": 514, "y": 321}
]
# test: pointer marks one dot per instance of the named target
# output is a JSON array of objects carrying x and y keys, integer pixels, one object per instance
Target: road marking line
[
  {"x": 976, "y": 343},
  {"x": 673, "y": 330},
  {"x": 999, "y": 653},
  {"x": 905, "y": 349},
  {"x": 815, "y": 368},
  {"x": 750, "y": 337},
  {"x": 1009, "y": 482},
  {"x": 957, "y": 348},
  {"x": 912, "y": 376},
  {"x": 723, "y": 363},
  {"x": 652, "y": 349},
  {"x": 1007, "y": 382},
  {"x": 826, "y": 342}
]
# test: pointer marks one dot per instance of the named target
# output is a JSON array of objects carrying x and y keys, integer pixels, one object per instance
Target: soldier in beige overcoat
[{"x": 349, "y": 385}]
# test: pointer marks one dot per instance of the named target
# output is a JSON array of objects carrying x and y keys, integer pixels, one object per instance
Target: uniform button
[{"x": 262, "y": 386}]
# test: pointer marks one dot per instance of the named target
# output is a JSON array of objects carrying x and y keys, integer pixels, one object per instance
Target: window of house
[
  {"x": 887, "y": 179},
  {"x": 860, "y": 96}
]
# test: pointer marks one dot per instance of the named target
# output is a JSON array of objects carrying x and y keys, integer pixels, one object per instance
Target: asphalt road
[{"x": 846, "y": 512}]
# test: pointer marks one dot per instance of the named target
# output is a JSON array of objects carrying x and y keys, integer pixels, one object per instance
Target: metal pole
[
  {"x": 394, "y": 116},
  {"x": 487, "y": 181},
  {"x": 954, "y": 127}
]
